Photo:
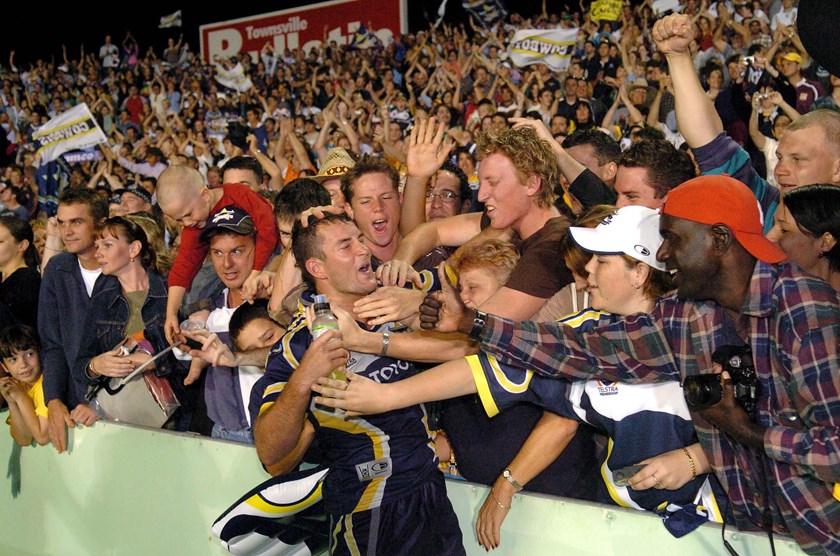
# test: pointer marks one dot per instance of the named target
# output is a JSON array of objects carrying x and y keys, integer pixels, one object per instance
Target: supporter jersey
[
  {"x": 373, "y": 460},
  {"x": 640, "y": 420}
]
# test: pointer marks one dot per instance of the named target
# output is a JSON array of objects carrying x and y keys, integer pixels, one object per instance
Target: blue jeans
[{"x": 245, "y": 436}]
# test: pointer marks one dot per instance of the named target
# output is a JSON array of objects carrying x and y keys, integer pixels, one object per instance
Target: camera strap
[{"x": 767, "y": 514}]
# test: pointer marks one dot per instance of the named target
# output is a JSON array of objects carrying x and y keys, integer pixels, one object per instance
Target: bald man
[{"x": 183, "y": 196}]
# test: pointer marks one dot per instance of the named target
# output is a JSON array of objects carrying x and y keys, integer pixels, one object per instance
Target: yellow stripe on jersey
[
  {"x": 709, "y": 495},
  {"x": 482, "y": 387},
  {"x": 505, "y": 382},
  {"x": 281, "y": 510},
  {"x": 375, "y": 489},
  {"x": 576, "y": 320},
  {"x": 345, "y": 522},
  {"x": 272, "y": 388},
  {"x": 427, "y": 280},
  {"x": 286, "y": 342},
  {"x": 605, "y": 474}
]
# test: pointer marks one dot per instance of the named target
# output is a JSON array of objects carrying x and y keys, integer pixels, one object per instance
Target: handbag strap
[
  {"x": 142, "y": 368},
  {"x": 105, "y": 382}
]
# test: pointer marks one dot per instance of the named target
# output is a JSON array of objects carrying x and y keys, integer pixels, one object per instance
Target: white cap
[{"x": 632, "y": 231}]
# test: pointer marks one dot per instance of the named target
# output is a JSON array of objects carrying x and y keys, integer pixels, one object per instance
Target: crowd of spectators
[{"x": 435, "y": 145}]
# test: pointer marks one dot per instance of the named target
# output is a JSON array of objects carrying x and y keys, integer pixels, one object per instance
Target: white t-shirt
[
  {"x": 769, "y": 150},
  {"x": 89, "y": 276},
  {"x": 784, "y": 18}
]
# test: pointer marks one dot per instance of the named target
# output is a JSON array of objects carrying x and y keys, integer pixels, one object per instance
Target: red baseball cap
[{"x": 721, "y": 199}]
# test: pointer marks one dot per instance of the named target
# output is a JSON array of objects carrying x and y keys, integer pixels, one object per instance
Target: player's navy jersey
[
  {"x": 640, "y": 420},
  {"x": 374, "y": 459}
]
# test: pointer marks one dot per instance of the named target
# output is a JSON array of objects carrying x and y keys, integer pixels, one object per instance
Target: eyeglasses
[{"x": 444, "y": 196}]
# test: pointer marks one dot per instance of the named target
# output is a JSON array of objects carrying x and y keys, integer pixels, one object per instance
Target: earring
[{"x": 133, "y": 258}]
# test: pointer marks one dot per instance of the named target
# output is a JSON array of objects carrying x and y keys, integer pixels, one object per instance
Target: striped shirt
[
  {"x": 722, "y": 155},
  {"x": 792, "y": 323}
]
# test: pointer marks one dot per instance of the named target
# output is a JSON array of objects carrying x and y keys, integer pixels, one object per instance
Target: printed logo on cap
[
  {"x": 642, "y": 250},
  {"x": 224, "y": 214}
]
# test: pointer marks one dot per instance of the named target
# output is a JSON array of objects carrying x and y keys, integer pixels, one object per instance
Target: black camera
[{"x": 702, "y": 391}]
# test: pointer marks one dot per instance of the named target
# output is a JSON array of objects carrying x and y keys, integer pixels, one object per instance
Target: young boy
[
  {"x": 24, "y": 389},
  {"x": 183, "y": 196}
]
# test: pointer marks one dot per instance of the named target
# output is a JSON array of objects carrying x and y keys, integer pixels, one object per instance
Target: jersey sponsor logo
[
  {"x": 377, "y": 469},
  {"x": 607, "y": 387},
  {"x": 386, "y": 373}
]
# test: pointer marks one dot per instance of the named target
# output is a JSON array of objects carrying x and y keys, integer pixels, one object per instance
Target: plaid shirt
[{"x": 792, "y": 323}]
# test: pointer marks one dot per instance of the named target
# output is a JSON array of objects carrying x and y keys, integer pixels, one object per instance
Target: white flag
[
  {"x": 552, "y": 47},
  {"x": 441, "y": 12},
  {"x": 233, "y": 78},
  {"x": 70, "y": 130},
  {"x": 662, "y": 6},
  {"x": 171, "y": 20}
]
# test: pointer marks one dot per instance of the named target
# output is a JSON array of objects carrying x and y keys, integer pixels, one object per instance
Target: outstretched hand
[
  {"x": 427, "y": 150},
  {"x": 357, "y": 395},
  {"x": 397, "y": 273}
]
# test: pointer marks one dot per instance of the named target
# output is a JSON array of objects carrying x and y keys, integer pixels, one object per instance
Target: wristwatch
[
  {"x": 478, "y": 325},
  {"x": 506, "y": 474}
]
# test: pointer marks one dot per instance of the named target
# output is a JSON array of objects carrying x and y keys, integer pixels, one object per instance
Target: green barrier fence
[{"x": 124, "y": 490}]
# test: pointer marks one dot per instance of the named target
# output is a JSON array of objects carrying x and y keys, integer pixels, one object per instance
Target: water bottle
[{"x": 325, "y": 320}]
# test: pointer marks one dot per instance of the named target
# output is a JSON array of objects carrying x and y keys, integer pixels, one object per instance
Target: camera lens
[{"x": 702, "y": 390}]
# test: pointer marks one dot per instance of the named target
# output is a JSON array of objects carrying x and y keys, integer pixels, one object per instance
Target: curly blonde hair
[
  {"x": 529, "y": 154},
  {"x": 496, "y": 256}
]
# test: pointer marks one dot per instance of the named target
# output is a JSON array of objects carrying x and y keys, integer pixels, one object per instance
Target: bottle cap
[{"x": 320, "y": 298}]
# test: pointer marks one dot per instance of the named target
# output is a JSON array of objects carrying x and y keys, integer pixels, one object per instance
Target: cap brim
[
  {"x": 205, "y": 234},
  {"x": 760, "y": 247},
  {"x": 589, "y": 239}
]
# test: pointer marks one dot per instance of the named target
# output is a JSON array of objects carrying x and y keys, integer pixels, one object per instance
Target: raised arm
[
  {"x": 696, "y": 115},
  {"x": 758, "y": 138},
  {"x": 427, "y": 152},
  {"x": 276, "y": 182}
]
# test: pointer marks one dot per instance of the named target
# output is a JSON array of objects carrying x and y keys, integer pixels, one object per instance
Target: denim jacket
[{"x": 106, "y": 320}]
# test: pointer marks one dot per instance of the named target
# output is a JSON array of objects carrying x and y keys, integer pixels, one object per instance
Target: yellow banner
[{"x": 606, "y": 10}]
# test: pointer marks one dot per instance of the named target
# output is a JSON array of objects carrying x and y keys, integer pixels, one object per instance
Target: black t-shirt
[
  {"x": 19, "y": 293},
  {"x": 483, "y": 447}
]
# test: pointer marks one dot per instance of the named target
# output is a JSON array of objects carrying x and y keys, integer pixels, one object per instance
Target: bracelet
[
  {"x": 92, "y": 370},
  {"x": 386, "y": 341},
  {"x": 478, "y": 325},
  {"x": 502, "y": 506},
  {"x": 691, "y": 463}
]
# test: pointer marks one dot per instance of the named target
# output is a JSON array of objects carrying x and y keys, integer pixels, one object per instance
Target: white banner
[
  {"x": 662, "y": 6},
  {"x": 70, "y": 130},
  {"x": 552, "y": 47}
]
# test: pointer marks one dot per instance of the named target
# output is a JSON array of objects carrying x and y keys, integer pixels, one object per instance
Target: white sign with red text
[{"x": 303, "y": 27}]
